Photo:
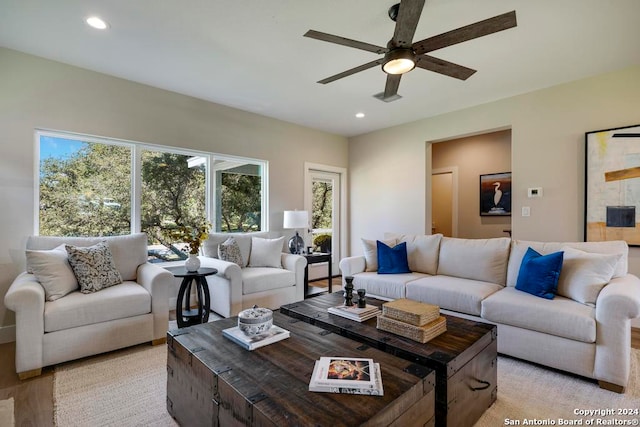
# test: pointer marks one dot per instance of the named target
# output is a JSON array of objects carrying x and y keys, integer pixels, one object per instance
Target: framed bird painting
[{"x": 495, "y": 194}]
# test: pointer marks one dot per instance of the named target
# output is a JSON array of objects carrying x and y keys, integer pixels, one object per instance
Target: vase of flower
[{"x": 192, "y": 263}]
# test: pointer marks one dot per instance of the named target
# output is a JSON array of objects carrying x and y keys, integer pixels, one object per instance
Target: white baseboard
[{"x": 7, "y": 334}]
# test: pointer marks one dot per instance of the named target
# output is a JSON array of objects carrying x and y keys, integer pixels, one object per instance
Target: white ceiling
[{"x": 251, "y": 54}]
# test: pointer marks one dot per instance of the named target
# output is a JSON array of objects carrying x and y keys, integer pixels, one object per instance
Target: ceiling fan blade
[
  {"x": 468, "y": 32},
  {"x": 444, "y": 67},
  {"x": 345, "y": 41},
  {"x": 352, "y": 71},
  {"x": 407, "y": 21},
  {"x": 391, "y": 88}
]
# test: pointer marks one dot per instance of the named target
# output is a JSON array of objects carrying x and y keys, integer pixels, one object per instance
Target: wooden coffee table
[
  {"x": 464, "y": 357},
  {"x": 211, "y": 381}
]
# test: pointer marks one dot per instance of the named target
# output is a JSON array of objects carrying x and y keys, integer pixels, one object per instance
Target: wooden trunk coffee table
[
  {"x": 464, "y": 357},
  {"x": 211, "y": 381}
]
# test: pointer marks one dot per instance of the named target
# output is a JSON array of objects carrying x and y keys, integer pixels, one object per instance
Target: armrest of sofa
[
  {"x": 26, "y": 298},
  {"x": 158, "y": 282},
  {"x": 296, "y": 264},
  {"x": 617, "y": 304},
  {"x": 352, "y": 265},
  {"x": 225, "y": 287}
]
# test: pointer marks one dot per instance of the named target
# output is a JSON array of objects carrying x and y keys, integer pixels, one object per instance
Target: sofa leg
[
  {"x": 611, "y": 387},
  {"x": 30, "y": 374},
  {"x": 159, "y": 341}
]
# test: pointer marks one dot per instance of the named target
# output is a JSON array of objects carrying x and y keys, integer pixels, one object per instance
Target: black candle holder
[
  {"x": 348, "y": 291},
  {"x": 362, "y": 301}
]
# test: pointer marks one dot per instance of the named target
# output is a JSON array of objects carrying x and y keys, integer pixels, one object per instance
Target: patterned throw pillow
[
  {"x": 93, "y": 267},
  {"x": 230, "y": 251}
]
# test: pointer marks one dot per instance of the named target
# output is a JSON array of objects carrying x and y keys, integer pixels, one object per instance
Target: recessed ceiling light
[
  {"x": 97, "y": 23},
  {"x": 359, "y": 115}
]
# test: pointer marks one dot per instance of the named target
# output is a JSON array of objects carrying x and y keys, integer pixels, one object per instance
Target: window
[
  {"x": 98, "y": 187},
  {"x": 173, "y": 194},
  {"x": 322, "y": 213},
  {"x": 85, "y": 188},
  {"x": 238, "y": 196}
]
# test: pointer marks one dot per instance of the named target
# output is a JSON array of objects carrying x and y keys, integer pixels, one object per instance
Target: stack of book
[
  {"x": 412, "y": 319},
  {"x": 350, "y": 375},
  {"x": 275, "y": 334},
  {"x": 355, "y": 313}
]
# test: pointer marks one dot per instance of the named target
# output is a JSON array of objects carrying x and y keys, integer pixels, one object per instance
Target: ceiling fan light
[{"x": 399, "y": 61}]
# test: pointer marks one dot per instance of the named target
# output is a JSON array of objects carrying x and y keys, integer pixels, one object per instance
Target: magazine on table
[
  {"x": 274, "y": 334},
  {"x": 347, "y": 375},
  {"x": 345, "y": 371}
]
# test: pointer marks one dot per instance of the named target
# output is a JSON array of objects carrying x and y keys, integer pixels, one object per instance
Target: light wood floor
[{"x": 34, "y": 397}]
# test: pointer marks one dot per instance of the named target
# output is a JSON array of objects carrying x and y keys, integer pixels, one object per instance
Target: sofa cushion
[
  {"x": 53, "y": 271},
  {"x": 230, "y": 251},
  {"x": 129, "y": 251},
  {"x": 484, "y": 260},
  {"x": 370, "y": 249},
  {"x": 539, "y": 274},
  {"x": 584, "y": 274},
  {"x": 258, "y": 279},
  {"x": 452, "y": 293},
  {"x": 93, "y": 266},
  {"x": 392, "y": 260},
  {"x": 77, "y": 309},
  {"x": 560, "y": 316},
  {"x": 422, "y": 251},
  {"x": 387, "y": 286},
  {"x": 266, "y": 252},
  {"x": 519, "y": 247}
]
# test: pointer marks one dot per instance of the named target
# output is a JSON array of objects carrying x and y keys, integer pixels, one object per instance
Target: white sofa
[
  {"x": 476, "y": 278},
  {"x": 234, "y": 289},
  {"x": 79, "y": 325}
]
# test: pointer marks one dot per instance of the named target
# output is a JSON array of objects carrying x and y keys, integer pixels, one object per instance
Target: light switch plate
[{"x": 526, "y": 211}]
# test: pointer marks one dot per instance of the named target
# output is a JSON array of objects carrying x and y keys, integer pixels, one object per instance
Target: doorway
[{"x": 324, "y": 200}]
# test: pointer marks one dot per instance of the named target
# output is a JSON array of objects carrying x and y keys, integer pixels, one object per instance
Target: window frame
[{"x": 136, "y": 174}]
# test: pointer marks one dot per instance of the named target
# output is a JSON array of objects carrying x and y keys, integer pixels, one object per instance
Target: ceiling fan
[{"x": 401, "y": 55}]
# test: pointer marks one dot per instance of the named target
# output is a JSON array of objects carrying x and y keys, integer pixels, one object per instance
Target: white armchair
[
  {"x": 234, "y": 289},
  {"x": 79, "y": 325}
]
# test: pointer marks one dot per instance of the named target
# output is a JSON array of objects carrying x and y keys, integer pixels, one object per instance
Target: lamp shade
[{"x": 296, "y": 219}]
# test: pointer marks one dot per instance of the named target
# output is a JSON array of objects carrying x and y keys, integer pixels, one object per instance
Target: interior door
[{"x": 444, "y": 201}]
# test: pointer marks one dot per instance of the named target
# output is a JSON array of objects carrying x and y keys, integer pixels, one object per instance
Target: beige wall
[
  {"x": 38, "y": 93},
  {"x": 389, "y": 169},
  {"x": 474, "y": 156}
]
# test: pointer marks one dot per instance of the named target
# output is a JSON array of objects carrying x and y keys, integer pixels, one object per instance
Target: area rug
[
  {"x": 545, "y": 397},
  {"x": 6, "y": 413},
  {"x": 128, "y": 388},
  {"x": 122, "y": 388}
]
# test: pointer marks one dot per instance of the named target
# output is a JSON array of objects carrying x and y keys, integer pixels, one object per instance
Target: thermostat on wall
[{"x": 534, "y": 192}]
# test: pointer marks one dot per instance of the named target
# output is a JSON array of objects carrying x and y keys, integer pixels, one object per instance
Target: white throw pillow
[
  {"x": 53, "y": 271},
  {"x": 371, "y": 252},
  {"x": 584, "y": 274},
  {"x": 266, "y": 252}
]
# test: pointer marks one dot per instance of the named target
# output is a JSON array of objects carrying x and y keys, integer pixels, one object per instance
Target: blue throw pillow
[
  {"x": 392, "y": 260},
  {"x": 539, "y": 274}
]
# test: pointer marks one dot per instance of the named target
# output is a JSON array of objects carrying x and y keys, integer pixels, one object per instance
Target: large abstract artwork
[
  {"x": 612, "y": 185},
  {"x": 495, "y": 194}
]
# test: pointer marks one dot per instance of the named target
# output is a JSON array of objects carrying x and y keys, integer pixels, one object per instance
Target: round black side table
[{"x": 185, "y": 315}]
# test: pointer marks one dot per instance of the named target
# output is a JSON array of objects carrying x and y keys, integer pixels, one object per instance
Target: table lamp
[{"x": 296, "y": 220}]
